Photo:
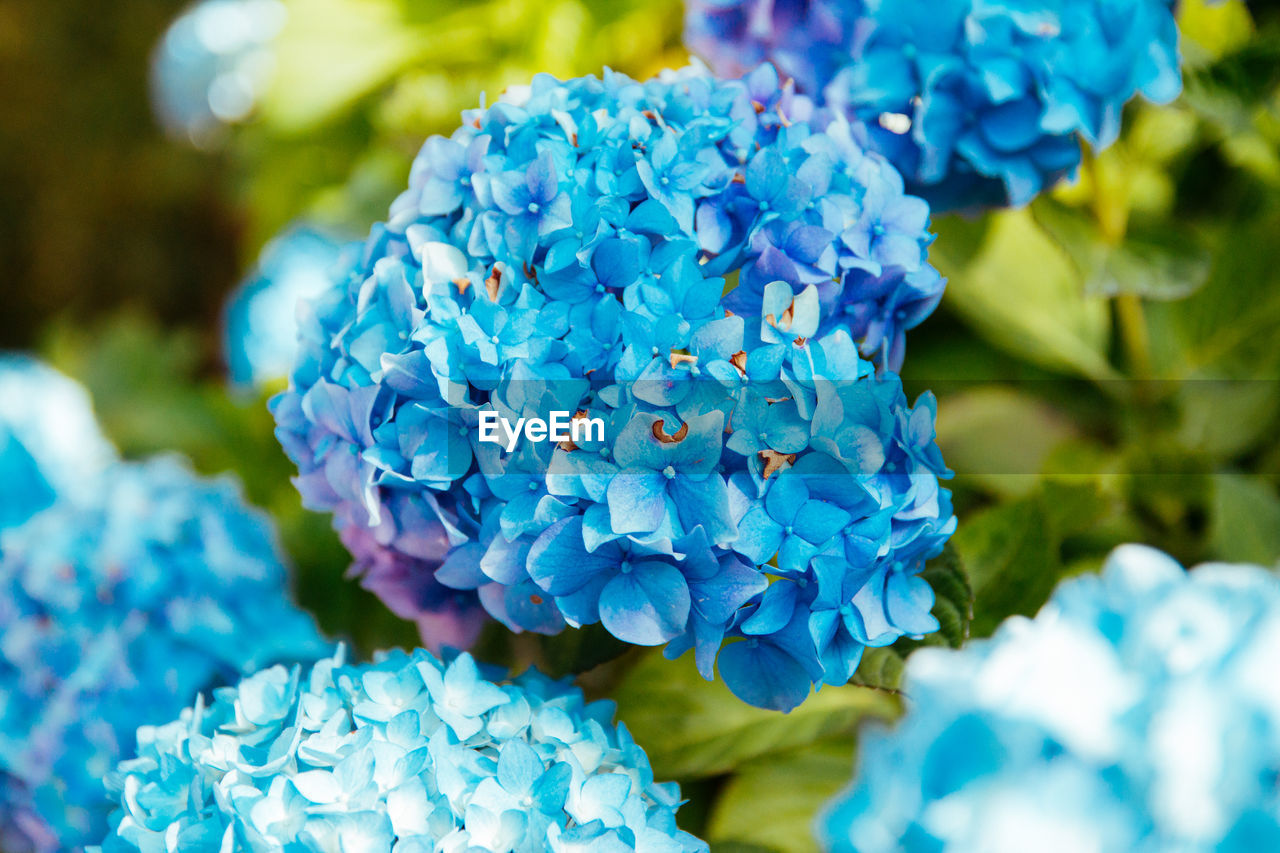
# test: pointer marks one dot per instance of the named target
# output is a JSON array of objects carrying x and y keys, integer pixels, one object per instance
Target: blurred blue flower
[
  {"x": 807, "y": 39},
  {"x": 1137, "y": 711},
  {"x": 977, "y": 103},
  {"x": 408, "y": 752},
  {"x": 113, "y": 610},
  {"x": 50, "y": 444},
  {"x": 568, "y": 251},
  {"x": 213, "y": 65},
  {"x": 260, "y": 320}
]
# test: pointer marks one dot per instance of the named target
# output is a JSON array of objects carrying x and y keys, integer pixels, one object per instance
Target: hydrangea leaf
[
  {"x": 1022, "y": 293},
  {"x": 1012, "y": 551},
  {"x": 1245, "y": 520},
  {"x": 1001, "y": 438},
  {"x": 693, "y": 729},
  {"x": 331, "y": 52},
  {"x": 1165, "y": 262},
  {"x": 793, "y": 784}
]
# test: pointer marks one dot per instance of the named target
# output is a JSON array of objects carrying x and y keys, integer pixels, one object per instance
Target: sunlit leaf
[
  {"x": 1023, "y": 293},
  {"x": 693, "y": 728},
  {"x": 794, "y": 785}
]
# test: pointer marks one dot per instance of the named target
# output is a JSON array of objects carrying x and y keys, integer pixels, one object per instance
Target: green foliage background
[{"x": 1107, "y": 361}]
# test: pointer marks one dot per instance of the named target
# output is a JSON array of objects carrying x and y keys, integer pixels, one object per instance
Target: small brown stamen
[
  {"x": 662, "y": 436},
  {"x": 493, "y": 284},
  {"x": 775, "y": 461}
]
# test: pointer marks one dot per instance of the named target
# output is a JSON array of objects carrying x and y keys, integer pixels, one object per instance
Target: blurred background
[{"x": 1107, "y": 360}]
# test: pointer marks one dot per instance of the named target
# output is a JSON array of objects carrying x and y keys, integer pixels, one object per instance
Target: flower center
[{"x": 669, "y": 472}]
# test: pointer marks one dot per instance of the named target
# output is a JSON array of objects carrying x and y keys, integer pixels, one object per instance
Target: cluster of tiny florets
[
  {"x": 808, "y": 40},
  {"x": 407, "y": 753},
  {"x": 977, "y": 102},
  {"x": 1137, "y": 711},
  {"x": 692, "y": 267},
  {"x": 115, "y": 609}
]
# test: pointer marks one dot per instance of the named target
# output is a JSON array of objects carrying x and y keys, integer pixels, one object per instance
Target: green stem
[{"x": 1132, "y": 321}]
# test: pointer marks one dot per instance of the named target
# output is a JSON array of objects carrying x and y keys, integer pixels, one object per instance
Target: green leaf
[
  {"x": 1012, "y": 551},
  {"x": 953, "y": 598},
  {"x": 1000, "y": 438},
  {"x": 1012, "y": 560},
  {"x": 1165, "y": 261},
  {"x": 1023, "y": 293},
  {"x": 1245, "y": 525},
  {"x": 693, "y": 728},
  {"x": 331, "y": 53},
  {"x": 772, "y": 804},
  {"x": 1210, "y": 30},
  {"x": 881, "y": 669},
  {"x": 1224, "y": 419},
  {"x": 1228, "y": 327}
]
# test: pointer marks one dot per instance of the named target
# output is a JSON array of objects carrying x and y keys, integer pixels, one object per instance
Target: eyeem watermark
[{"x": 560, "y": 427}]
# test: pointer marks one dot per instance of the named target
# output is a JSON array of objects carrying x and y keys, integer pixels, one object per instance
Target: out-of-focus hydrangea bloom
[
  {"x": 260, "y": 323},
  {"x": 407, "y": 752},
  {"x": 114, "y": 612},
  {"x": 745, "y": 476},
  {"x": 50, "y": 443},
  {"x": 213, "y": 65},
  {"x": 1139, "y": 711},
  {"x": 977, "y": 102},
  {"x": 808, "y": 40}
]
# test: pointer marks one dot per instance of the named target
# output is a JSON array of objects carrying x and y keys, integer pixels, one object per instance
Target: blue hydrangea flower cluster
[
  {"x": 213, "y": 66},
  {"x": 977, "y": 102},
  {"x": 50, "y": 443},
  {"x": 808, "y": 40},
  {"x": 687, "y": 264},
  {"x": 1138, "y": 711},
  {"x": 407, "y": 752},
  {"x": 113, "y": 611},
  {"x": 260, "y": 325}
]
